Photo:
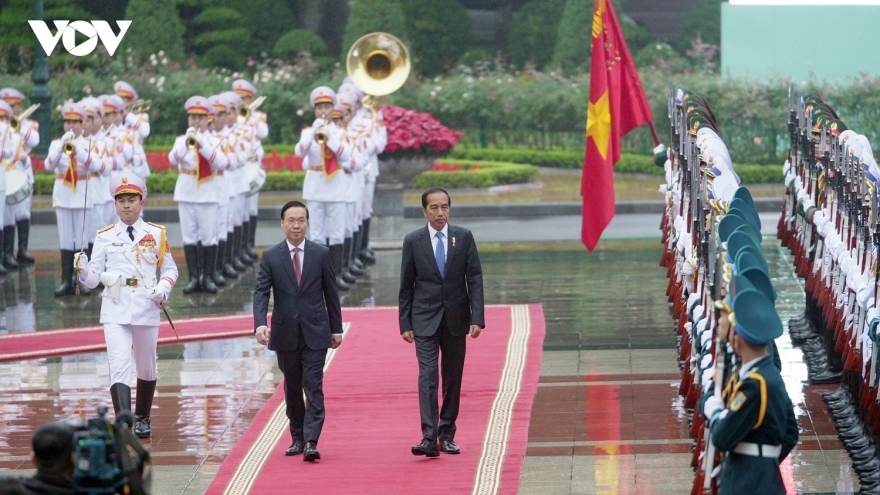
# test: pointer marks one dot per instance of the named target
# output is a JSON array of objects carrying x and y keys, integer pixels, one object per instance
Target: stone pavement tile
[
  {"x": 551, "y": 474},
  {"x": 560, "y": 363},
  {"x": 610, "y": 362}
]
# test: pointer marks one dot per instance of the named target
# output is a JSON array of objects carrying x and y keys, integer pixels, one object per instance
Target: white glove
[
  {"x": 81, "y": 263},
  {"x": 131, "y": 118},
  {"x": 367, "y": 169},
  {"x": 161, "y": 291},
  {"x": 191, "y": 131},
  {"x": 82, "y": 154},
  {"x": 69, "y": 135},
  {"x": 318, "y": 123},
  {"x": 712, "y": 405}
]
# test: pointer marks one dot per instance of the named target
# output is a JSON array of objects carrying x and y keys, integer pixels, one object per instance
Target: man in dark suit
[
  {"x": 306, "y": 321},
  {"x": 440, "y": 303}
]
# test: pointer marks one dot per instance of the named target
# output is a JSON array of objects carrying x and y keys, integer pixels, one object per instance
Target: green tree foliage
[
  {"x": 264, "y": 20},
  {"x": 533, "y": 32},
  {"x": 298, "y": 41},
  {"x": 155, "y": 26},
  {"x": 220, "y": 34},
  {"x": 369, "y": 16},
  {"x": 572, "y": 52},
  {"x": 702, "y": 20},
  {"x": 440, "y": 32}
]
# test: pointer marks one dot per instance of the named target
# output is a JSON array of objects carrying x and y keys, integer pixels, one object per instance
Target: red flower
[{"x": 410, "y": 131}]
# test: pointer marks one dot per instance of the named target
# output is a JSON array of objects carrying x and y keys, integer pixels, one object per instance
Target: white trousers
[
  {"x": 351, "y": 225},
  {"x": 70, "y": 228},
  {"x": 18, "y": 211},
  {"x": 198, "y": 222},
  {"x": 223, "y": 215},
  {"x": 121, "y": 340},
  {"x": 239, "y": 213},
  {"x": 327, "y": 221},
  {"x": 253, "y": 204},
  {"x": 369, "y": 192}
]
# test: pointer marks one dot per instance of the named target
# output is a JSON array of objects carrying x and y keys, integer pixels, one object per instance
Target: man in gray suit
[
  {"x": 440, "y": 304},
  {"x": 306, "y": 321}
]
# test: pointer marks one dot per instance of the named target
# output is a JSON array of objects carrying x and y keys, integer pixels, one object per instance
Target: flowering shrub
[
  {"x": 453, "y": 167},
  {"x": 413, "y": 132}
]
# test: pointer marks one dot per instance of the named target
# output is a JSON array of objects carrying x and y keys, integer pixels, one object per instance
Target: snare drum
[
  {"x": 256, "y": 177},
  {"x": 18, "y": 186}
]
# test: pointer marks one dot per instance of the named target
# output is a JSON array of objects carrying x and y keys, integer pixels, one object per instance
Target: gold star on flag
[{"x": 599, "y": 123}]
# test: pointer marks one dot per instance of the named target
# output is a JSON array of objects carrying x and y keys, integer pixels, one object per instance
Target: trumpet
[
  {"x": 141, "y": 106},
  {"x": 244, "y": 113},
  {"x": 191, "y": 141},
  {"x": 15, "y": 121},
  {"x": 68, "y": 148}
]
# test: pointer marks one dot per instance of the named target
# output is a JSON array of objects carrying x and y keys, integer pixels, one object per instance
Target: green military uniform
[{"x": 757, "y": 428}]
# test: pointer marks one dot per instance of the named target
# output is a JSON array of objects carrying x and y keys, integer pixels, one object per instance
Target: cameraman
[{"x": 53, "y": 455}]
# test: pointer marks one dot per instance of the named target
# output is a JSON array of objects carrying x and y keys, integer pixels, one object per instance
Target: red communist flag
[{"x": 617, "y": 105}]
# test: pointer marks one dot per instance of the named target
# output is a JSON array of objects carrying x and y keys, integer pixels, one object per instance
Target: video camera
[{"x": 109, "y": 459}]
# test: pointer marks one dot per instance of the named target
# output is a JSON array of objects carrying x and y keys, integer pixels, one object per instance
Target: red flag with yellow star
[{"x": 617, "y": 105}]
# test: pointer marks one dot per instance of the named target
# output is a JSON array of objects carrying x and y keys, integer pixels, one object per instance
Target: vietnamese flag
[{"x": 617, "y": 105}]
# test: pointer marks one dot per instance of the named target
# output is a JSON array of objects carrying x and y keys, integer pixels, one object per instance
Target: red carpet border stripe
[
  {"x": 250, "y": 467},
  {"x": 495, "y": 444}
]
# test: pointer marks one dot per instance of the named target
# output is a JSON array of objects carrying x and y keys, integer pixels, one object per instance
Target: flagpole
[{"x": 654, "y": 133}]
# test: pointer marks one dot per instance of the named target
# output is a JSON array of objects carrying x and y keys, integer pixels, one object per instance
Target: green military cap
[
  {"x": 825, "y": 109},
  {"x": 692, "y": 99},
  {"x": 755, "y": 318},
  {"x": 751, "y": 256},
  {"x": 814, "y": 97},
  {"x": 747, "y": 211},
  {"x": 760, "y": 280},
  {"x": 702, "y": 112},
  {"x": 743, "y": 194},
  {"x": 836, "y": 126},
  {"x": 748, "y": 229},
  {"x": 738, "y": 284},
  {"x": 737, "y": 241},
  {"x": 695, "y": 122},
  {"x": 738, "y": 211},
  {"x": 728, "y": 224}
]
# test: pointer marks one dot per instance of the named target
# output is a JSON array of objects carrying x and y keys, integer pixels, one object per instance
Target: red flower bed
[
  {"x": 414, "y": 132},
  {"x": 453, "y": 167},
  {"x": 272, "y": 162}
]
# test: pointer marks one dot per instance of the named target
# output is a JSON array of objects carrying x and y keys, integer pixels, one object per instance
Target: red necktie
[{"x": 297, "y": 269}]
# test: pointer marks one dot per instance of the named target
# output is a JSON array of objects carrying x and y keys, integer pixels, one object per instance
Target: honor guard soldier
[
  {"x": 119, "y": 149},
  {"x": 756, "y": 427},
  {"x": 342, "y": 116},
  {"x": 11, "y": 142},
  {"x": 132, "y": 259},
  {"x": 136, "y": 122},
  {"x": 98, "y": 182},
  {"x": 18, "y": 216},
  {"x": 237, "y": 135},
  {"x": 72, "y": 160},
  {"x": 326, "y": 154},
  {"x": 200, "y": 161},
  {"x": 259, "y": 122}
]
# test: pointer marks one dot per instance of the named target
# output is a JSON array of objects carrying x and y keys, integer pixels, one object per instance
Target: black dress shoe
[
  {"x": 142, "y": 426},
  {"x": 858, "y": 444},
  {"x": 427, "y": 448},
  {"x": 296, "y": 448},
  {"x": 870, "y": 466},
  {"x": 834, "y": 395},
  {"x": 826, "y": 376},
  {"x": 449, "y": 447},
  {"x": 310, "y": 453}
]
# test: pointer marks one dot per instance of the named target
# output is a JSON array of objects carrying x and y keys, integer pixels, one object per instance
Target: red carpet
[
  {"x": 373, "y": 416},
  {"x": 49, "y": 343}
]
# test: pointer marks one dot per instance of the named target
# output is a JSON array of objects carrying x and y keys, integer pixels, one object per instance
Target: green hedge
[{"x": 488, "y": 174}]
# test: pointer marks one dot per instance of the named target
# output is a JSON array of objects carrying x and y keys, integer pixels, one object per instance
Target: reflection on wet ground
[{"x": 607, "y": 418}]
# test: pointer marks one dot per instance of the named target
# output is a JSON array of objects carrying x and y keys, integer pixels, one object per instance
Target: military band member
[
  {"x": 138, "y": 124},
  {"x": 72, "y": 159},
  {"x": 342, "y": 116},
  {"x": 132, "y": 258},
  {"x": 756, "y": 427},
  {"x": 11, "y": 142},
  {"x": 118, "y": 146},
  {"x": 99, "y": 182},
  {"x": 260, "y": 125},
  {"x": 199, "y": 159},
  {"x": 19, "y": 214},
  {"x": 238, "y": 136},
  {"x": 326, "y": 154}
]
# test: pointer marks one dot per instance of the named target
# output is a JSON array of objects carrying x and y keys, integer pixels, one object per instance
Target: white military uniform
[
  {"x": 28, "y": 138},
  {"x": 139, "y": 126},
  {"x": 260, "y": 124}
]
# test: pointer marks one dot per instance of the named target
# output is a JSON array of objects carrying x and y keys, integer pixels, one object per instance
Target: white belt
[{"x": 758, "y": 450}]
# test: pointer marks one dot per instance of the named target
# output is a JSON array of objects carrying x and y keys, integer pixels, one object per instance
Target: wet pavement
[{"x": 607, "y": 418}]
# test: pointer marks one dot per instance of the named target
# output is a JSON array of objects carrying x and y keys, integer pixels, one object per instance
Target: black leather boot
[
  {"x": 208, "y": 263},
  {"x": 346, "y": 255},
  {"x": 354, "y": 265},
  {"x": 228, "y": 270},
  {"x": 120, "y": 393},
  {"x": 246, "y": 260},
  {"x": 9, "y": 248},
  {"x": 66, "y": 288},
  {"x": 364, "y": 253},
  {"x": 336, "y": 259},
  {"x": 143, "y": 404},
  {"x": 191, "y": 254},
  {"x": 252, "y": 238},
  {"x": 24, "y": 231},
  {"x": 218, "y": 265},
  {"x": 234, "y": 245}
]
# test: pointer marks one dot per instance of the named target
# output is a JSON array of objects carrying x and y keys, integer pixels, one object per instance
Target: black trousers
[
  {"x": 303, "y": 370},
  {"x": 439, "y": 421}
]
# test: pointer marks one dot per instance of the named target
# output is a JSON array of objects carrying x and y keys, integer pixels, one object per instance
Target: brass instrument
[
  {"x": 378, "y": 64},
  {"x": 244, "y": 113},
  {"x": 15, "y": 121},
  {"x": 141, "y": 106},
  {"x": 68, "y": 148},
  {"x": 191, "y": 142},
  {"x": 321, "y": 134}
]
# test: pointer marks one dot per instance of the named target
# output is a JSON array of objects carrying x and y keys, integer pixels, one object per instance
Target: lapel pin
[{"x": 453, "y": 242}]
